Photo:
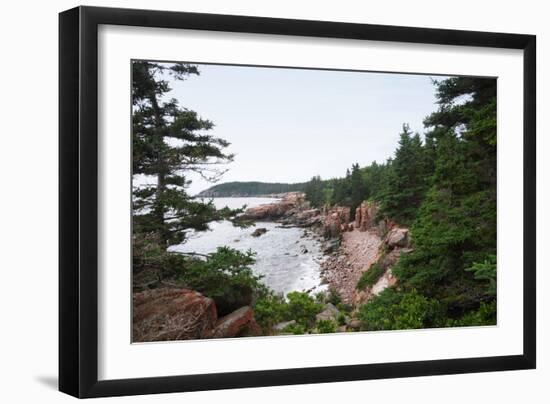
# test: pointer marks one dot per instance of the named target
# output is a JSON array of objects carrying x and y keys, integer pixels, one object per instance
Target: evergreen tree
[
  {"x": 375, "y": 179},
  {"x": 406, "y": 182},
  {"x": 456, "y": 226},
  {"x": 314, "y": 192},
  {"x": 342, "y": 190},
  {"x": 358, "y": 190},
  {"x": 169, "y": 142}
]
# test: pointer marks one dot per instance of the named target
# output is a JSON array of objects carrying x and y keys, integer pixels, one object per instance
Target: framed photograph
[{"x": 250, "y": 201}]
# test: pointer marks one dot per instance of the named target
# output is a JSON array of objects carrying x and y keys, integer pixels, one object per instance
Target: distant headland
[{"x": 250, "y": 188}]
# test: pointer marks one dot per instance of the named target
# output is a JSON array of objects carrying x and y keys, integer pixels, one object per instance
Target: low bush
[
  {"x": 395, "y": 310},
  {"x": 370, "y": 277},
  {"x": 296, "y": 329},
  {"x": 485, "y": 315},
  {"x": 269, "y": 310},
  {"x": 341, "y": 319},
  {"x": 224, "y": 276},
  {"x": 333, "y": 297},
  {"x": 325, "y": 326},
  {"x": 302, "y": 308}
]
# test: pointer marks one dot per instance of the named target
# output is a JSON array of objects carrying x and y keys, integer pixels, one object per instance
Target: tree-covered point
[{"x": 250, "y": 188}]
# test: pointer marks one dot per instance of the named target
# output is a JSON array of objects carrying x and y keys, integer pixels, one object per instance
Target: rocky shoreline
[{"x": 350, "y": 247}]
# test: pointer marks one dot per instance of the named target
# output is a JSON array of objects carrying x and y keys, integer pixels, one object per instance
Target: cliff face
[{"x": 367, "y": 244}]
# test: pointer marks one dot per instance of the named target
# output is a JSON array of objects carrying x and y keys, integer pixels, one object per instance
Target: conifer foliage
[
  {"x": 444, "y": 188},
  {"x": 406, "y": 180},
  {"x": 455, "y": 229},
  {"x": 169, "y": 142}
]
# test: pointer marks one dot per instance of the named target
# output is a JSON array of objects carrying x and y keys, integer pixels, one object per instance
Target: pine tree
[{"x": 169, "y": 142}]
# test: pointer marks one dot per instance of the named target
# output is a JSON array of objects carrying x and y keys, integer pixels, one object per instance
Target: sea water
[{"x": 287, "y": 258}]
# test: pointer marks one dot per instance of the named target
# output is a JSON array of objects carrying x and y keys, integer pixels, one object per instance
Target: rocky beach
[{"x": 350, "y": 248}]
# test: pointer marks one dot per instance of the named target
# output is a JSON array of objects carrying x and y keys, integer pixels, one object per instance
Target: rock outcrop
[
  {"x": 336, "y": 222},
  {"x": 233, "y": 324},
  {"x": 365, "y": 215},
  {"x": 276, "y": 210},
  {"x": 281, "y": 326},
  {"x": 330, "y": 312},
  {"x": 166, "y": 314},
  {"x": 397, "y": 237},
  {"x": 305, "y": 218},
  {"x": 395, "y": 243},
  {"x": 332, "y": 226},
  {"x": 364, "y": 242}
]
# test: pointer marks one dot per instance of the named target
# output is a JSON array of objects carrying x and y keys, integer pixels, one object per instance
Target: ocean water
[{"x": 287, "y": 258}]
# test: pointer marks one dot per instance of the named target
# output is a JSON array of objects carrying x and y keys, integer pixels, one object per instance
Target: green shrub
[
  {"x": 333, "y": 297},
  {"x": 341, "y": 319},
  {"x": 224, "y": 276},
  {"x": 325, "y": 326},
  {"x": 269, "y": 310},
  {"x": 330, "y": 296},
  {"x": 346, "y": 308},
  {"x": 393, "y": 310},
  {"x": 302, "y": 308},
  {"x": 296, "y": 329},
  {"x": 485, "y": 315},
  {"x": 370, "y": 277},
  {"x": 320, "y": 297}
]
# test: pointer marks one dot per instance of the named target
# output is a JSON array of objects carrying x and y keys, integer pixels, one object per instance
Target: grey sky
[{"x": 286, "y": 125}]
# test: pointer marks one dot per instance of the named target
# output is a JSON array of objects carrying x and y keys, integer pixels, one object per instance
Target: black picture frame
[{"x": 78, "y": 201}]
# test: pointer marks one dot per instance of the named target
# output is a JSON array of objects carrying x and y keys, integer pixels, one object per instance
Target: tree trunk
[{"x": 161, "y": 177}]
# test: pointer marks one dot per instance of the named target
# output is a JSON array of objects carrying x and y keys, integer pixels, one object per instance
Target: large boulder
[
  {"x": 397, "y": 237},
  {"x": 240, "y": 296},
  {"x": 252, "y": 329},
  {"x": 281, "y": 326},
  {"x": 354, "y": 324},
  {"x": 166, "y": 314},
  {"x": 330, "y": 312},
  {"x": 234, "y": 324}
]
